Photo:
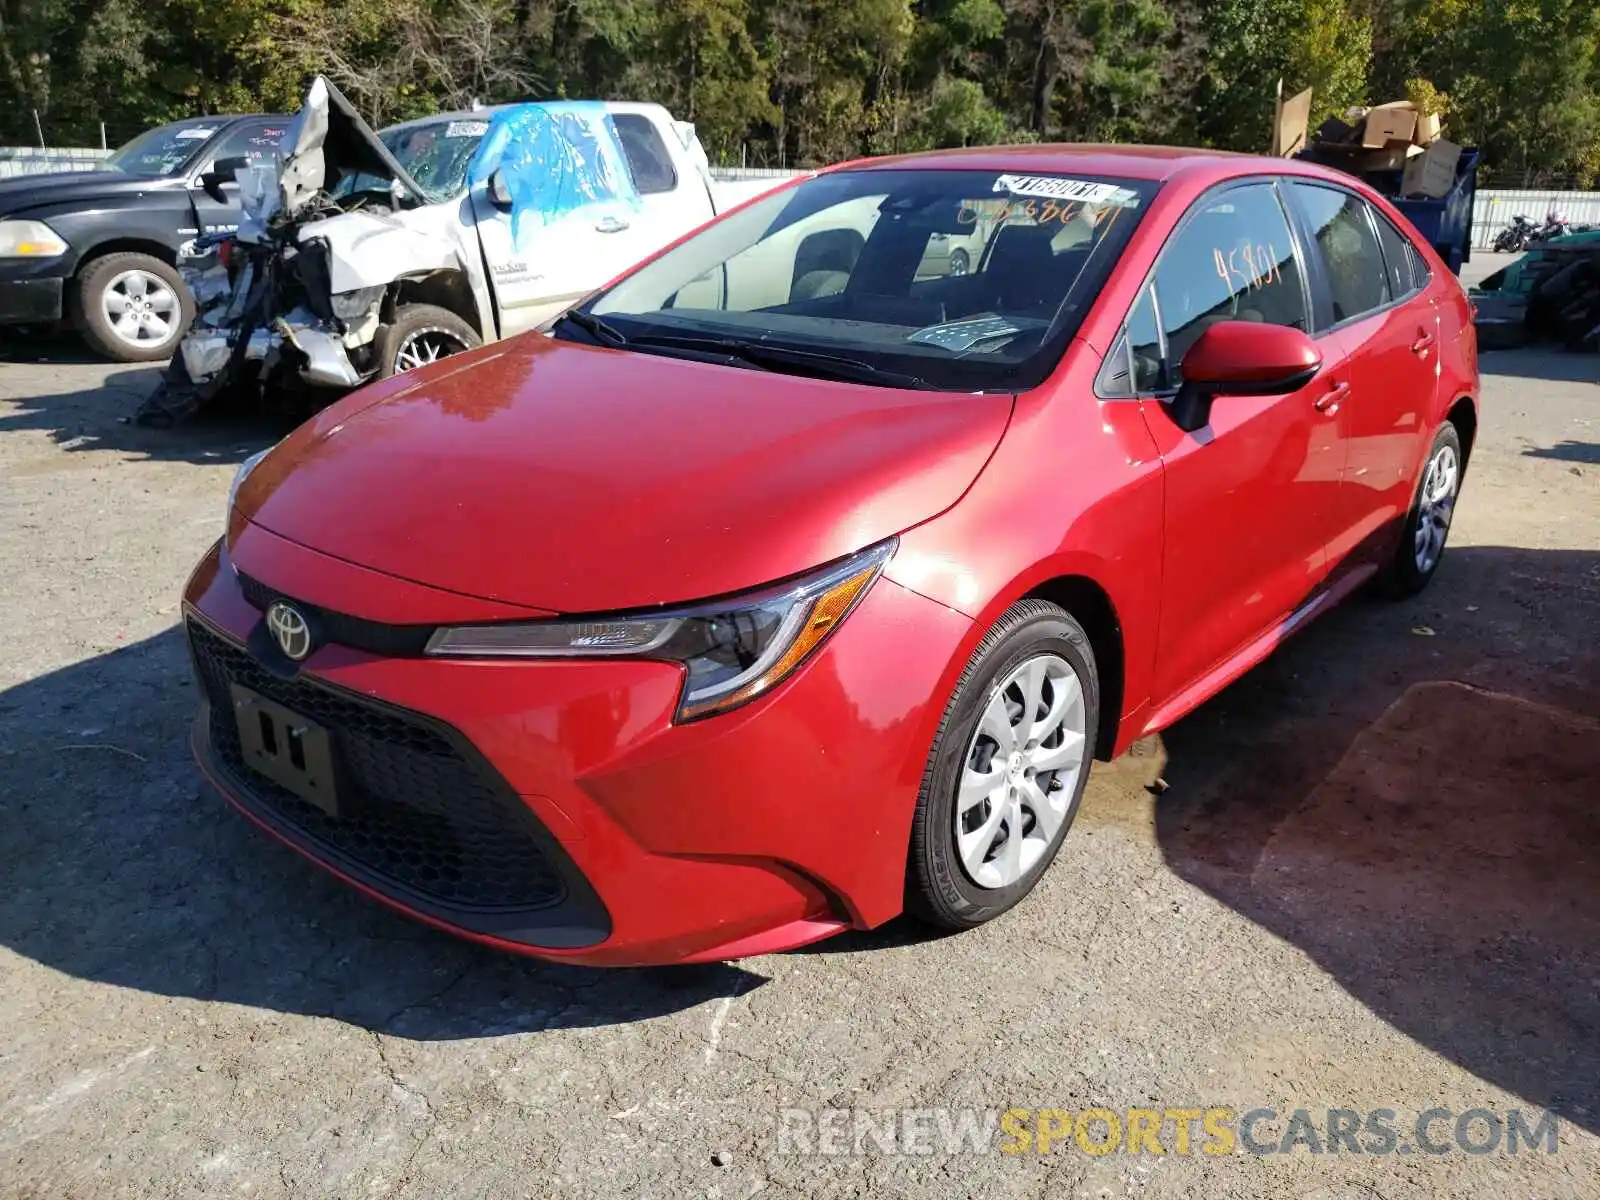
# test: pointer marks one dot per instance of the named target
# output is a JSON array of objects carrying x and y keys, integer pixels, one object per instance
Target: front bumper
[
  {"x": 31, "y": 301},
  {"x": 750, "y": 832}
]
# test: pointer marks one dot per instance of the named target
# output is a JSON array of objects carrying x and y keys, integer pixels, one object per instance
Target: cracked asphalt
[{"x": 1366, "y": 876}]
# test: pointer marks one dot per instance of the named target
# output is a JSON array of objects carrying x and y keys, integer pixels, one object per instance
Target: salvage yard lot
[{"x": 1369, "y": 877}]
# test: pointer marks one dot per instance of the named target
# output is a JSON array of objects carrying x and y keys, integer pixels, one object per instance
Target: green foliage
[{"x": 799, "y": 82}]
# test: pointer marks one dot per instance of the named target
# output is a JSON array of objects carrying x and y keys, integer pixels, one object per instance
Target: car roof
[
  {"x": 489, "y": 110},
  {"x": 1129, "y": 162}
]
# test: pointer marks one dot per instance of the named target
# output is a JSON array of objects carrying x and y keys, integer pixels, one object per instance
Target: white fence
[
  {"x": 1494, "y": 209},
  {"x": 30, "y": 160}
]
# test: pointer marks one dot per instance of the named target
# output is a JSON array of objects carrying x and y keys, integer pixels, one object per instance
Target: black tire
[
  {"x": 1403, "y": 576},
  {"x": 960, "y": 262},
  {"x": 88, "y": 312},
  {"x": 938, "y": 887},
  {"x": 412, "y": 320}
]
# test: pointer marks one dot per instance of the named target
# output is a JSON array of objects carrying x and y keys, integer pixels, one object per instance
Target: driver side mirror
[
  {"x": 499, "y": 193},
  {"x": 1241, "y": 358},
  {"x": 222, "y": 171}
]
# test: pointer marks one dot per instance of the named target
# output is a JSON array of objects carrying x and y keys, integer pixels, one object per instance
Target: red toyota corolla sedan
[{"x": 795, "y": 579}]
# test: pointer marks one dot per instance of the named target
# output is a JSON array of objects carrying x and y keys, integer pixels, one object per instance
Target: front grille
[
  {"x": 418, "y": 808},
  {"x": 375, "y": 637}
]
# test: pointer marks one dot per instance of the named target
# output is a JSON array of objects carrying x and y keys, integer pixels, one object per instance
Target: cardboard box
[
  {"x": 1433, "y": 172},
  {"x": 1428, "y": 126},
  {"x": 1389, "y": 123},
  {"x": 1290, "y": 119}
]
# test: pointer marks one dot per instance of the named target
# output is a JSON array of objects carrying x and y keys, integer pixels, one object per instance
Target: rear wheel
[
  {"x": 1427, "y": 526},
  {"x": 131, "y": 307},
  {"x": 1007, "y": 770},
  {"x": 422, "y": 334}
]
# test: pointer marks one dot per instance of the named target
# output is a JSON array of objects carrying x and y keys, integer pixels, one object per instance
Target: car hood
[
  {"x": 26, "y": 192},
  {"x": 572, "y": 478}
]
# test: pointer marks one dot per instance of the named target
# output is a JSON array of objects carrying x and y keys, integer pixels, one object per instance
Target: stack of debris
[
  {"x": 1550, "y": 294},
  {"x": 1395, "y": 139},
  {"x": 1396, "y": 147}
]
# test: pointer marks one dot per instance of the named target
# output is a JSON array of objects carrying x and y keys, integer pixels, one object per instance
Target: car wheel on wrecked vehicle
[
  {"x": 421, "y": 334},
  {"x": 131, "y": 307}
]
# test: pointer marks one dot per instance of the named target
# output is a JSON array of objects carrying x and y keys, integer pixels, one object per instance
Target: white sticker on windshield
[
  {"x": 1056, "y": 188},
  {"x": 194, "y": 135},
  {"x": 466, "y": 129}
]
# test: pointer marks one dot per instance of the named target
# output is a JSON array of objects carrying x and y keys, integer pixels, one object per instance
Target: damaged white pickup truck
[{"x": 361, "y": 255}]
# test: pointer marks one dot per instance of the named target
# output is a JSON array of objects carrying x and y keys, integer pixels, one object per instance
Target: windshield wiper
[
  {"x": 603, "y": 331},
  {"x": 781, "y": 358}
]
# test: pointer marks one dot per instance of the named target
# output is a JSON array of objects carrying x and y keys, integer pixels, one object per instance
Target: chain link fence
[{"x": 30, "y": 160}]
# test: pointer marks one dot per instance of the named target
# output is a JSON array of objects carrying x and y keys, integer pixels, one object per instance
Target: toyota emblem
[{"x": 289, "y": 629}]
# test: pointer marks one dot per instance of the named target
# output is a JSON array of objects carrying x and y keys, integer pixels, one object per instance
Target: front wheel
[
  {"x": 131, "y": 307},
  {"x": 421, "y": 334},
  {"x": 1007, "y": 769}
]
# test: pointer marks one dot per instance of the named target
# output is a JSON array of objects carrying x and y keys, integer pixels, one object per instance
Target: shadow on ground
[
  {"x": 1435, "y": 848},
  {"x": 97, "y": 414},
  {"x": 1541, "y": 362},
  {"x": 1577, "y": 452},
  {"x": 118, "y": 869}
]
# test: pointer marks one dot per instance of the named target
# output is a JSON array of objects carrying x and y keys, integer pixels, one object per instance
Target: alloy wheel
[
  {"x": 141, "y": 308},
  {"x": 1020, "y": 771},
  {"x": 1435, "y": 507},
  {"x": 424, "y": 346}
]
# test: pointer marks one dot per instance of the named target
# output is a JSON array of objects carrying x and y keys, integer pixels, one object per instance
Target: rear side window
[
  {"x": 1397, "y": 256},
  {"x": 1420, "y": 274},
  {"x": 648, "y": 156},
  {"x": 1342, "y": 228},
  {"x": 1233, "y": 260}
]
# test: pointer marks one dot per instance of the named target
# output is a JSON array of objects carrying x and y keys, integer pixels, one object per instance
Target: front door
[
  {"x": 1251, "y": 498},
  {"x": 558, "y": 215}
]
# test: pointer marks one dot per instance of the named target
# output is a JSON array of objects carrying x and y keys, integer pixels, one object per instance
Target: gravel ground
[{"x": 1347, "y": 882}]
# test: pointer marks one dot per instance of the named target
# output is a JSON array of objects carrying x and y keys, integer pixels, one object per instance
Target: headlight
[
  {"x": 239, "y": 477},
  {"x": 352, "y": 306},
  {"x": 734, "y": 650},
  {"x": 29, "y": 239}
]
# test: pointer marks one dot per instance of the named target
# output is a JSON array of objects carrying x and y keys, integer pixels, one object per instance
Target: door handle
[
  {"x": 1420, "y": 346},
  {"x": 610, "y": 225},
  {"x": 1330, "y": 400}
]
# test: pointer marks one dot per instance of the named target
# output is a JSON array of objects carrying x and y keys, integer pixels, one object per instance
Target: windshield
[
  {"x": 164, "y": 151},
  {"x": 437, "y": 154},
  {"x": 964, "y": 280}
]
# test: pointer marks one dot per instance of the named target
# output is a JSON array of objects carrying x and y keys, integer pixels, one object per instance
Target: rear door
[
  {"x": 1370, "y": 301},
  {"x": 673, "y": 197},
  {"x": 1250, "y": 498}
]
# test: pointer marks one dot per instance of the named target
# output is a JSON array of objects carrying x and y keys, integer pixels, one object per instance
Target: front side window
[
  {"x": 1340, "y": 225},
  {"x": 842, "y": 264},
  {"x": 254, "y": 141},
  {"x": 1232, "y": 260}
]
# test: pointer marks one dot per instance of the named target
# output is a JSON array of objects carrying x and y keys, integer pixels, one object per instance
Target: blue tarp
[{"x": 555, "y": 158}]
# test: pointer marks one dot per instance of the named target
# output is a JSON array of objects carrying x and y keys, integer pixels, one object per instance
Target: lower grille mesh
[{"x": 414, "y": 808}]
